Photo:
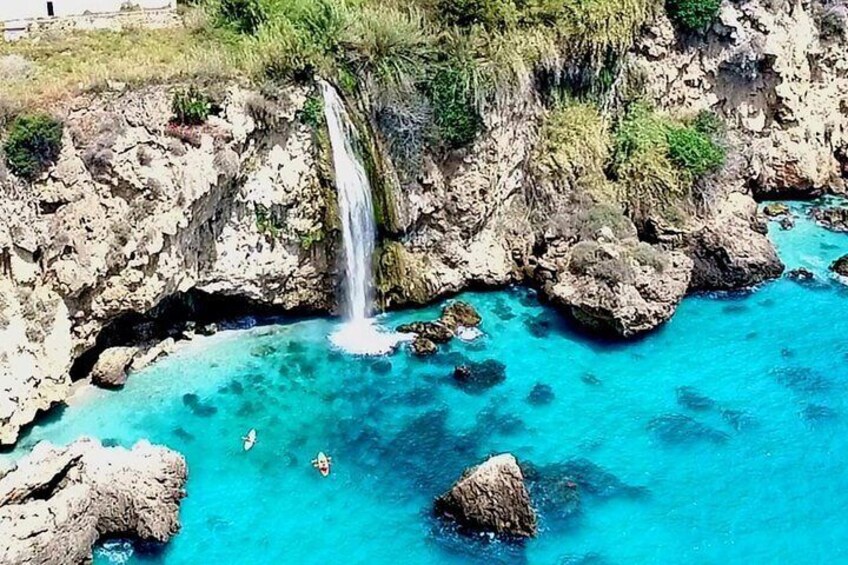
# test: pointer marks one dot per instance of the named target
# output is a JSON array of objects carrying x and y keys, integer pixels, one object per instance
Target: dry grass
[{"x": 69, "y": 64}]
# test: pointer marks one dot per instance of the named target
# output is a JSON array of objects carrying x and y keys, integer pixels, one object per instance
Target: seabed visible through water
[{"x": 722, "y": 437}]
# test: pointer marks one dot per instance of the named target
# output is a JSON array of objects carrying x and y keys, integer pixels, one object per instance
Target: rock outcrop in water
[
  {"x": 732, "y": 250},
  {"x": 840, "y": 266},
  {"x": 59, "y": 501},
  {"x": 832, "y": 217},
  {"x": 491, "y": 497},
  {"x": 454, "y": 316}
]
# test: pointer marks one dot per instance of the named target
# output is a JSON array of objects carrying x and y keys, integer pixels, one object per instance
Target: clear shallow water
[{"x": 759, "y": 474}]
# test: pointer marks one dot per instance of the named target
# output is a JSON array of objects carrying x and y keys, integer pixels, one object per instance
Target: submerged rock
[
  {"x": 477, "y": 377},
  {"x": 110, "y": 371},
  {"x": 691, "y": 398},
  {"x": 840, "y": 266},
  {"x": 588, "y": 477},
  {"x": 541, "y": 395},
  {"x": 680, "y": 429},
  {"x": 553, "y": 491},
  {"x": 815, "y": 413},
  {"x": 491, "y": 497},
  {"x": 60, "y": 500}
]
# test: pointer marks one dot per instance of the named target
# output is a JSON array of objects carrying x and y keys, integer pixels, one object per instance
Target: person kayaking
[
  {"x": 322, "y": 463},
  {"x": 249, "y": 440}
]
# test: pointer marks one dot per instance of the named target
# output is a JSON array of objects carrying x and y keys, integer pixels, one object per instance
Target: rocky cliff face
[
  {"x": 776, "y": 70},
  {"x": 139, "y": 214},
  {"x": 59, "y": 501},
  {"x": 137, "y": 211}
]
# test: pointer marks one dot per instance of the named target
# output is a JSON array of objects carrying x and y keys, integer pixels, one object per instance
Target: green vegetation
[
  {"x": 190, "y": 107},
  {"x": 646, "y": 164},
  {"x": 456, "y": 115},
  {"x": 312, "y": 113},
  {"x": 245, "y": 16},
  {"x": 267, "y": 222},
  {"x": 692, "y": 15},
  {"x": 33, "y": 144}
]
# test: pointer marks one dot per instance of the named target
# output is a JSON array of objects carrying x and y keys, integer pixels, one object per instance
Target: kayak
[
  {"x": 322, "y": 463},
  {"x": 249, "y": 440}
]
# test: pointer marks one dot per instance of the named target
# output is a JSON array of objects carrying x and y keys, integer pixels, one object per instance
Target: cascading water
[{"x": 359, "y": 334}]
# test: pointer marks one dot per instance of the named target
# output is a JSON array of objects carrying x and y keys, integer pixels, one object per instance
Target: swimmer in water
[
  {"x": 249, "y": 440},
  {"x": 322, "y": 463}
]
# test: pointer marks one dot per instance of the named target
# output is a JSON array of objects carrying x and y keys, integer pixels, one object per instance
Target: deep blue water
[{"x": 722, "y": 437}]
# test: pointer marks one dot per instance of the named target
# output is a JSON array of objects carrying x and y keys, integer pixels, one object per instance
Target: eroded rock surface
[
  {"x": 60, "y": 500},
  {"x": 732, "y": 249},
  {"x": 491, "y": 497}
]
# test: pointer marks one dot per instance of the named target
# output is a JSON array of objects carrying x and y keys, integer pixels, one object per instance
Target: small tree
[{"x": 33, "y": 144}]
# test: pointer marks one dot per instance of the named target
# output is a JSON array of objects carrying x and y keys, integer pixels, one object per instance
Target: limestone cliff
[{"x": 140, "y": 214}]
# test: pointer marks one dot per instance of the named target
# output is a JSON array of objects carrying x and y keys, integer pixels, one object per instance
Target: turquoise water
[{"x": 721, "y": 437}]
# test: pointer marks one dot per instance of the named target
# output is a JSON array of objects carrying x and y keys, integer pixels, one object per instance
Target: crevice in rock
[{"x": 47, "y": 490}]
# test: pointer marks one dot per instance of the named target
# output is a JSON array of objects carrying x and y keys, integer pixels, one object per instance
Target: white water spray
[{"x": 359, "y": 335}]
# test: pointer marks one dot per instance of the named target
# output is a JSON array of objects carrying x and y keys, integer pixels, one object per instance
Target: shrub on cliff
[
  {"x": 692, "y": 15},
  {"x": 190, "y": 107},
  {"x": 245, "y": 16},
  {"x": 488, "y": 13},
  {"x": 455, "y": 113},
  {"x": 33, "y": 144},
  {"x": 694, "y": 151}
]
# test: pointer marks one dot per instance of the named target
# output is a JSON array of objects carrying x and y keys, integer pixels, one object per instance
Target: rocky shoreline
[
  {"x": 59, "y": 501},
  {"x": 117, "y": 244}
]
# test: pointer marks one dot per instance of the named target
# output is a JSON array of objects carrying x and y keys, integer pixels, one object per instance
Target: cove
[{"x": 722, "y": 436}]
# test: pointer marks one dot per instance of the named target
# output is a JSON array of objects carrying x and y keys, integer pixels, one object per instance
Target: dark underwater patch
[
  {"x": 183, "y": 435},
  {"x": 262, "y": 351},
  {"x": 738, "y": 420},
  {"x": 692, "y": 399},
  {"x": 381, "y": 367},
  {"x": 818, "y": 414},
  {"x": 677, "y": 429},
  {"x": 503, "y": 311},
  {"x": 802, "y": 379},
  {"x": 492, "y": 420},
  {"x": 233, "y": 387},
  {"x": 109, "y": 442},
  {"x": 539, "y": 326},
  {"x": 735, "y": 308},
  {"x": 582, "y": 474},
  {"x": 590, "y": 379},
  {"x": 475, "y": 378},
  {"x": 540, "y": 395}
]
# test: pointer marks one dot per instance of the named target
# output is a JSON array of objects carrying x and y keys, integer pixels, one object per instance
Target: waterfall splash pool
[{"x": 721, "y": 437}]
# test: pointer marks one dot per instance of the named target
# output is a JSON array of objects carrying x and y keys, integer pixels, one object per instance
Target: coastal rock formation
[
  {"x": 615, "y": 287},
  {"x": 732, "y": 250},
  {"x": 59, "y": 501},
  {"x": 136, "y": 213},
  {"x": 491, "y": 497},
  {"x": 832, "y": 217},
  {"x": 110, "y": 371},
  {"x": 775, "y": 70},
  {"x": 428, "y": 334},
  {"x": 840, "y": 266}
]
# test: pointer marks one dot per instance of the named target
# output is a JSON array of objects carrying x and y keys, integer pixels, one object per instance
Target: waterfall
[
  {"x": 357, "y": 212},
  {"x": 359, "y": 334}
]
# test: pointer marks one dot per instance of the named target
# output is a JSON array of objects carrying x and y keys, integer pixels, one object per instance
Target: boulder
[
  {"x": 775, "y": 209},
  {"x": 624, "y": 288},
  {"x": 110, "y": 371},
  {"x": 433, "y": 331},
  {"x": 59, "y": 501},
  {"x": 423, "y": 347},
  {"x": 801, "y": 275},
  {"x": 731, "y": 250},
  {"x": 458, "y": 314},
  {"x": 833, "y": 218},
  {"x": 840, "y": 266},
  {"x": 491, "y": 497}
]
